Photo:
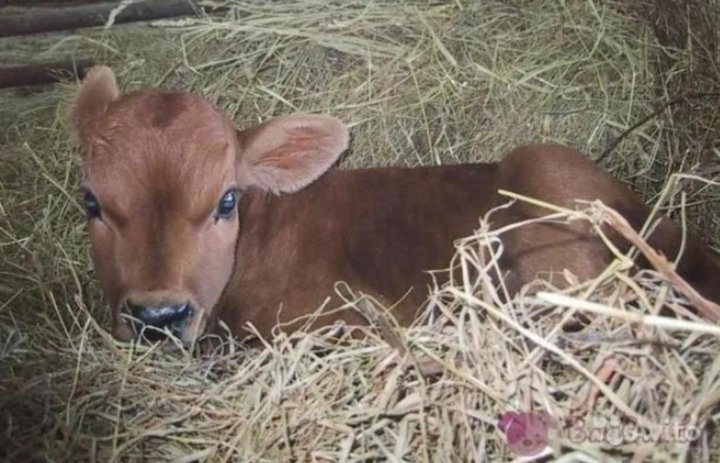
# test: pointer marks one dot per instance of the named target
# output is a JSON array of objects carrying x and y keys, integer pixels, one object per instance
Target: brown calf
[{"x": 191, "y": 220}]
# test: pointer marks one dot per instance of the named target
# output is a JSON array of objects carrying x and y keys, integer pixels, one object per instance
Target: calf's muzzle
[{"x": 174, "y": 317}]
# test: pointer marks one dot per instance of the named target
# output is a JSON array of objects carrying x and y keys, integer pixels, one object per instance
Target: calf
[{"x": 192, "y": 221}]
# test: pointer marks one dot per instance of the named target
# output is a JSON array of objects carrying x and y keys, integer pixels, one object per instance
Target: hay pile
[{"x": 419, "y": 83}]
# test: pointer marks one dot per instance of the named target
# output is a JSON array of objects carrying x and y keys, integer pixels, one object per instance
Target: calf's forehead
[{"x": 172, "y": 147}]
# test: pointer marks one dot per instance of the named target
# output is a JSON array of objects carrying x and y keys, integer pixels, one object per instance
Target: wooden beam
[
  {"x": 72, "y": 17},
  {"x": 48, "y": 3},
  {"x": 47, "y": 73}
]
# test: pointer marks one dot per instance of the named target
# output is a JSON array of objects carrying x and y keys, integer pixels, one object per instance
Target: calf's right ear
[{"x": 97, "y": 90}]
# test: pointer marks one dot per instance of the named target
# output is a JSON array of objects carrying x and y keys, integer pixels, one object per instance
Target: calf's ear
[
  {"x": 285, "y": 154},
  {"x": 97, "y": 90}
]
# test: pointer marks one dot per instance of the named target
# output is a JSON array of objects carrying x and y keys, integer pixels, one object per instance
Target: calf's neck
[{"x": 192, "y": 221}]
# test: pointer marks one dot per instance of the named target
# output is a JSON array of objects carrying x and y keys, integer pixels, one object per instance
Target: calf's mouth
[{"x": 185, "y": 321}]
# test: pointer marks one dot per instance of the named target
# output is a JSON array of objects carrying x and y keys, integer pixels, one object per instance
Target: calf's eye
[
  {"x": 92, "y": 206},
  {"x": 227, "y": 204}
]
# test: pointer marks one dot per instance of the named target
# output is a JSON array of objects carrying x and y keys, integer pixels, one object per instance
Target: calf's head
[{"x": 162, "y": 175}]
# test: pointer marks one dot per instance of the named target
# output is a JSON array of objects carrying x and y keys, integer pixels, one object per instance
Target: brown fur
[{"x": 159, "y": 162}]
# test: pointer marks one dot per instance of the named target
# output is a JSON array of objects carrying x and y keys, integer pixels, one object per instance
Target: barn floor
[{"x": 419, "y": 83}]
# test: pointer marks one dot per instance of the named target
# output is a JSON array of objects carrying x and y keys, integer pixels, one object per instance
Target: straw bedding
[{"x": 419, "y": 83}]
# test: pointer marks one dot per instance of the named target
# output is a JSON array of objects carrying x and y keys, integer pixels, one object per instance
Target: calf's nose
[{"x": 160, "y": 316}]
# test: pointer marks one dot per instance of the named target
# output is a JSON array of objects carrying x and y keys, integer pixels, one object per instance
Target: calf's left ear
[{"x": 285, "y": 154}]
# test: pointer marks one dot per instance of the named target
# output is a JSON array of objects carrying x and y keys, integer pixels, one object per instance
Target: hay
[{"x": 419, "y": 83}]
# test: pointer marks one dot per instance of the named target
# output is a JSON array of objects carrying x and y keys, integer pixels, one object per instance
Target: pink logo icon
[{"x": 526, "y": 432}]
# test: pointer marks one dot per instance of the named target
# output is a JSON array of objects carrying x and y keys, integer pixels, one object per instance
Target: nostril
[{"x": 160, "y": 316}]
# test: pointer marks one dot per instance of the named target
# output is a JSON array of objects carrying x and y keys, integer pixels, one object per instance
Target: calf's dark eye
[
  {"x": 227, "y": 204},
  {"x": 92, "y": 206}
]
